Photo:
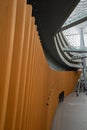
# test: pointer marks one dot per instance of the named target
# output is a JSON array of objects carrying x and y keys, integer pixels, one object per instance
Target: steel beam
[{"x": 73, "y": 24}]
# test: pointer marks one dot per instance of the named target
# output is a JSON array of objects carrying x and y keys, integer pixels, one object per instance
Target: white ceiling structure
[{"x": 73, "y": 33}]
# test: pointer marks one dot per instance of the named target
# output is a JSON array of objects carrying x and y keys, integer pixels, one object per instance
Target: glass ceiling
[
  {"x": 73, "y": 34},
  {"x": 75, "y": 27},
  {"x": 79, "y": 12}
]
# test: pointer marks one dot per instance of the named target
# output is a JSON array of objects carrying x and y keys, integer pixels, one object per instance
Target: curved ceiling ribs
[
  {"x": 65, "y": 56},
  {"x": 50, "y": 15}
]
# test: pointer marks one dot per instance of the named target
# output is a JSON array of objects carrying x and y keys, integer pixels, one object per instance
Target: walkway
[{"x": 72, "y": 113}]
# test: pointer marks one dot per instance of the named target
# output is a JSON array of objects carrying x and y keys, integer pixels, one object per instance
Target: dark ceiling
[{"x": 50, "y": 16}]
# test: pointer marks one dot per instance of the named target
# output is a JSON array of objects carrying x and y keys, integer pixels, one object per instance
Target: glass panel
[
  {"x": 79, "y": 12},
  {"x": 73, "y": 34}
]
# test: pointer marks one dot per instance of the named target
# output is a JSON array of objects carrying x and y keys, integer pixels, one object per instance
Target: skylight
[
  {"x": 73, "y": 34},
  {"x": 79, "y": 12}
]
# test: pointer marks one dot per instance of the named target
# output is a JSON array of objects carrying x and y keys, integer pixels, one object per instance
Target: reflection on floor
[{"x": 71, "y": 114}]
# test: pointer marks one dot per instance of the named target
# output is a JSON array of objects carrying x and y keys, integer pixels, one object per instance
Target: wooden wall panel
[
  {"x": 38, "y": 103},
  {"x": 29, "y": 77},
  {"x": 43, "y": 88},
  {"x": 29, "y": 89},
  {"x": 7, "y": 27},
  {"x": 63, "y": 81},
  {"x": 33, "y": 78},
  {"x": 16, "y": 65},
  {"x": 23, "y": 68}
]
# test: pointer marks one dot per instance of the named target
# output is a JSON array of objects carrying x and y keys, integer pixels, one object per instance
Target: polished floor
[{"x": 71, "y": 114}]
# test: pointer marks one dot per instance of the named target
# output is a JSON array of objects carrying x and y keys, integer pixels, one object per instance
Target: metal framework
[
  {"x": 80, "y": 12},
  {"x": 73, "y": 24},
  {"x": 78, "y": 19},
  {"x": 79, "y": 57},
  {"x": 79, "y": 50}
]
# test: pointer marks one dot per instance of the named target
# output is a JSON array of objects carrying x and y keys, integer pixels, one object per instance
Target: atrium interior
[{"x": 43, "y": 64}]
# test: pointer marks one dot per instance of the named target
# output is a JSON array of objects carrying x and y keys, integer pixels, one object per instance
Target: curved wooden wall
[{"x": 29, "y": 89}]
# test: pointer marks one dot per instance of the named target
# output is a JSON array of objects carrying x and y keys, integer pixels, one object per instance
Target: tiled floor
[{"x": 72, "y": 113}]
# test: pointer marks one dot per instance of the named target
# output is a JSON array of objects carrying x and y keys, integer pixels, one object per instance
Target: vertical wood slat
[
  {"x": 39, "y": 89},
  {"x": 27, "y": 82},
  {"x": 43, "y": 90},
  {"x": 7, "y": 28},
  {"x": 16, "y": 65},
  {"x": 32, "y": 65},
  {"x": 29, "y": 77},
  {"x": 30, "y": 74},
  {"x": 24, "y": 67},
  {"x": 33, "y": 89},
  {"x": 37, "y": 92}
]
